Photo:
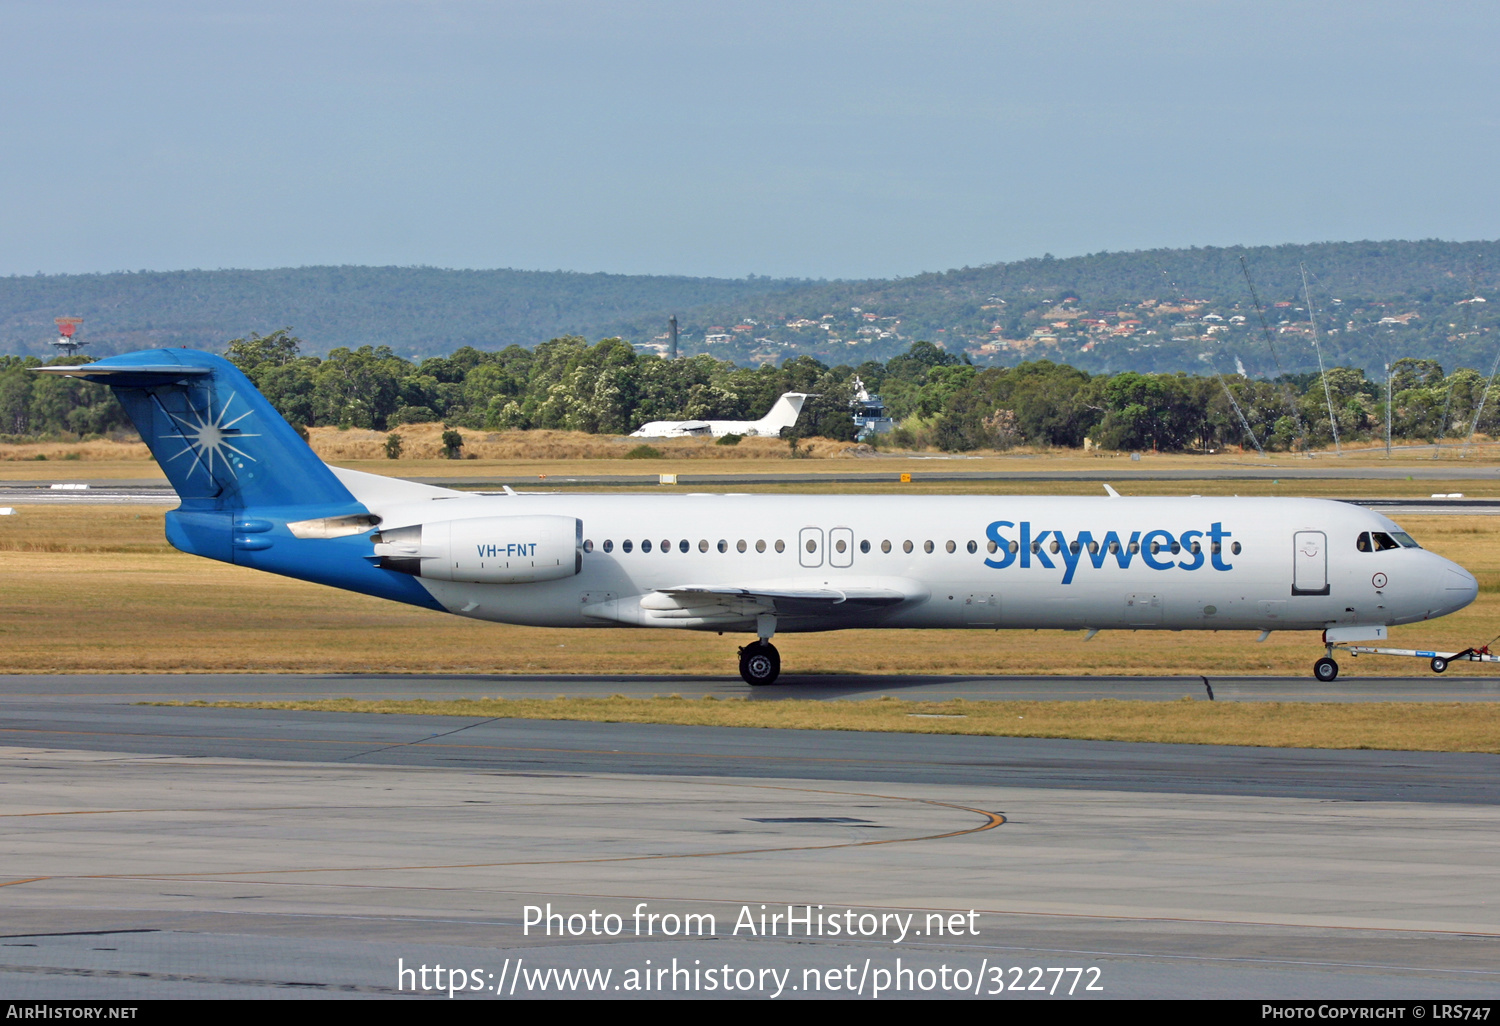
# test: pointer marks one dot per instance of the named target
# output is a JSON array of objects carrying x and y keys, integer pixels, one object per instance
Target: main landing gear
[
  {"x": 1325, "y": 669},
  {"x": 760, "y": 663}
]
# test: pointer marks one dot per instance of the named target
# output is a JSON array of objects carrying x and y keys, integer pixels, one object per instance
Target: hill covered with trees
[
  {"x": 416, "y": 311},
  {"x": 1232, "y": 310}
]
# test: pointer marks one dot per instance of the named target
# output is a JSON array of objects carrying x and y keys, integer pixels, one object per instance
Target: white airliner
[
  {"x": 255, "y": 495},
  {"x": 782, "y": 415}
]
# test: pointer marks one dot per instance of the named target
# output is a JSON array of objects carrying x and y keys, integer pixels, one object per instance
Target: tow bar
[{"x": 1438, "y": 661}]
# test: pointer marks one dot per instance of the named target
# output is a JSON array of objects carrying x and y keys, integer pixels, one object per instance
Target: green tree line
[{"x": 938, "y": 399}]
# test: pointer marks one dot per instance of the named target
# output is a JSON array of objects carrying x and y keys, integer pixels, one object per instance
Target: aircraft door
[
  {"x": 810, "y": 546},
  {"x": 1310, "y": 563},
  {"x": 841, "y": 547}
]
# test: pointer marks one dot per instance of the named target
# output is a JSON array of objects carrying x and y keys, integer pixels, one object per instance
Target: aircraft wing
[
  {"x": 797, "y": 605},
  {"x": 817, "y": 598}
]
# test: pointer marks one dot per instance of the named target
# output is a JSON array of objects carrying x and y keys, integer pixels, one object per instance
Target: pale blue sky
[{"x": 782, "y": 138}]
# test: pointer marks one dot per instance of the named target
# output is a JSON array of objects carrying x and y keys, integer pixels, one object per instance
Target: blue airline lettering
[
  {"x": 1122, "y": 552},
  {"x": 1070, "y": 553},
  {"x": 1188, "y": 538},
  {"x": 1002, "y": 545},
  {"x": 1112, "y": 544},
  {"x": 1148, "y": 557},
  {"x": 1217, "y": 534}
]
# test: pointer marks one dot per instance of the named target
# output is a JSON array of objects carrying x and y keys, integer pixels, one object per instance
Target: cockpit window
[
  {"x": 1383, "y": 541},
  {"x": 1405, "y": 540},
  {"x": 1362, "y": 543}
]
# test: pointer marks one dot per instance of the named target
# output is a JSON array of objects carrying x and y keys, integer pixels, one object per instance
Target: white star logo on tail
[{"x": 208, "y": 437}]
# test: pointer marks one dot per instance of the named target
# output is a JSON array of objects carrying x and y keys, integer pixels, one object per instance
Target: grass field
[
  {"x": 97, "y": 589},
  {"x": 1409, "y": 726},
  {"x": 548, "y": 454}
]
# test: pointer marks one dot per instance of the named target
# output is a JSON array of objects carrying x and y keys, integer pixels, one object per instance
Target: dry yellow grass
[
  {"x": 1408, "y": 726},
  {"x": 561, "y": 453},
  {"x": 88, "y": 589},
  {"x": 424, "y": 442},
  {"x": 97, "y": 451}
]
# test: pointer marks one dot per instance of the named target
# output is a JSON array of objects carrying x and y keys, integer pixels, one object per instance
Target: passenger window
[
  {"x": 864, "y": 546},
  {"x": 724, "y": 545},
  {"x": 760, "y": 546},
  {"x": 1093, "y": 548},
  {"x": 609, "y": 546},
  {"x": 993, "y": 547},
  {"x": 684, "y": 545},
  {"x": 974, "y": 547},
  {"x": 588, "y": 545},
  {"x": 702, "y": 545},
  {"x": 906, "y": 546},
  {"x": 1056, "y": 548},
  {"x": 1235, "y": 548},
  {"x": 625, "y": 545},
  {"x": 951, "y": 547},
  {"x": 927, "y": 546},
  {"x": 1196, "y": 548},
  {"x": 1216, "y": 548},
  {"x": 1114, "y": 548},
  {"x": 1136, "y": 547},
  {"x": 1015, "y": 546},
  {"x": 840, "y": 545},
  {"x": 1176, "y": 549},
  {"x": 1073, "y": 547},
  {"x": 885, "y": 546},
  {"x": 780, "y": 545},
  {"x": 740, "y": 545},
  {"x": 666, "y": 545},
  {"x": 645, "y": 545},
  {"x": 1362, "y": 543},
  {"x": 1155, "y": 548}
]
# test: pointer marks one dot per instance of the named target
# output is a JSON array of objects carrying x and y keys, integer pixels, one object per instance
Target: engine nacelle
[{"x": 485, "y": 550}]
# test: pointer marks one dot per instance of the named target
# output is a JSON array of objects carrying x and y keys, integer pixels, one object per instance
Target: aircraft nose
[{"x": 1457, "y": 590}]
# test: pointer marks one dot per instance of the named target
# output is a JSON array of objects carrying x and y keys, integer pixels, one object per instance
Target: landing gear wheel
[
  {"x": 760, "y": 663},
  {"x": 1325, "y": 670},
  {"x": 1439, "y": 664}
]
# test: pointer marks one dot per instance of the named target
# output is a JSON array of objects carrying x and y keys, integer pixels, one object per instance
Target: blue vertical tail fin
[{"x": 220, "y": 443}]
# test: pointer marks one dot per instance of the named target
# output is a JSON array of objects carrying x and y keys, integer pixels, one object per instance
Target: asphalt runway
[
  {"x": 73, "y": 689},
  {"x": 156, "y": 851}
]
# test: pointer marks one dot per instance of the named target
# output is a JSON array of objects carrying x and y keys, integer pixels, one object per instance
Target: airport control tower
[{"x": 66, "y": 344}]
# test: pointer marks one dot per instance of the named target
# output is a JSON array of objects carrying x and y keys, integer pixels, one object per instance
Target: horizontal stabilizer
[
  {"x": 135, "y": 376},
  {"x": 378, "y": 490}
]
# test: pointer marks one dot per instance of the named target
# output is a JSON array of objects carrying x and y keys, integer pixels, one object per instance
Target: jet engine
[{"x": 485, "y": 550}]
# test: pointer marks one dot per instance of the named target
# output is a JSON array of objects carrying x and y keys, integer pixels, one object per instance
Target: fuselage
[
  {"x": 972, "y": 561},
  {"x": 255, "y": 495}
]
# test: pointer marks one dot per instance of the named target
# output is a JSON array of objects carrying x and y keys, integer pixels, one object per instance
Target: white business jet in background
[
  {"x": 255, "y": 495},
  {"x": 782, "y": 415}
]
